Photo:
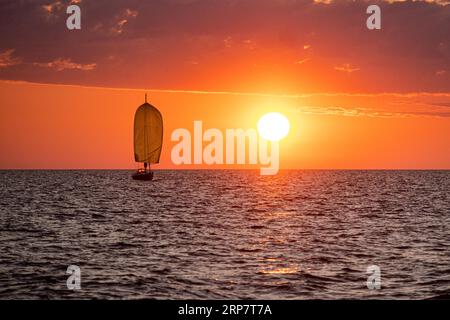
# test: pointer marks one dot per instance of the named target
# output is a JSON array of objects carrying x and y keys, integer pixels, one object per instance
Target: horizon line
[{"x": 228, "y": 169}]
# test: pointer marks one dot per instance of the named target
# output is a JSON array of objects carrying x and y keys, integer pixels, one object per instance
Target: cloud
[
  {"x": 158, "y": 37},
  {"x": 438, "y": 2},
  {"x": 377, "y": 105},
  {"x": 58, "y": 6},
  {"x": 7, "y": 59},
  {"x": 129, "y": 13},
  {"x": 52, "y": 9},
  {"x": 302, "y": 61},
  {"x": 123, "y": 19},
  {"x": 66, "y": 64},
  {"x": 346, "y": 68},
  {"x": 369, "y": 112},
  {"x": 441, "y": 104}
]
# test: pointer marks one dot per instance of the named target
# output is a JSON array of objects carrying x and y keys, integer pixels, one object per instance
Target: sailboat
[{"x": 148, "y": 136}]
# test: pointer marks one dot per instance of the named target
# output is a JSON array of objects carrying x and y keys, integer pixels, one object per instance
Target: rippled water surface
[{"x": 225, "y": 234}]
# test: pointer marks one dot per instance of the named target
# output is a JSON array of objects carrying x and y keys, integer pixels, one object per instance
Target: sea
[{"x": 225, "y": 234}]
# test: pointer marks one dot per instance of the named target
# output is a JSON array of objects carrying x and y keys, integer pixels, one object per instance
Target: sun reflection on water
[{"x": 281, "y": 270}]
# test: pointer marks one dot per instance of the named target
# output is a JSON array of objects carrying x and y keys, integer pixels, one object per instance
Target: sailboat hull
[{"x": 143, "y": 176}]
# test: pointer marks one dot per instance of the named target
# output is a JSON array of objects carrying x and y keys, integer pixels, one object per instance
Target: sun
[{"x": 273, "y": 126}]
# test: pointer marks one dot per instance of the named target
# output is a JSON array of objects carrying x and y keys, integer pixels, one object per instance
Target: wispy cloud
[
  {"x": 323, "y": 1},
  {"x": 378, "y": 105},
  {"x": 346, "y": 68},
  {"x": 368, "y": 112},
  {"x": 7, "y": 59},
  {"x": 52, "y": 7},
  {"x": 230, "y": 42},
  {"x": 66, "y": 64},
  {"x": 302, "y": 61},
  {"x": 439, "y": 2},
  {"x": 57, "y": 6},
  {"x": 123, "y": 19},
  {"x": 350, "y": 112}
]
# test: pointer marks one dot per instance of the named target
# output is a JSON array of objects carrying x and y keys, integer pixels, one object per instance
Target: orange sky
[
  {"x": 58, "y": 127},
  {"x": 356, "y": 98}
]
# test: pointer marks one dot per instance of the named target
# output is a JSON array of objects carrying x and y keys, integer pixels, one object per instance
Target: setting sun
[{"x": 273, "y": 126}]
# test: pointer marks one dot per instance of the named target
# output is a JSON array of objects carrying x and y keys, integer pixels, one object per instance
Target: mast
[{"x": 145, "y": 163}]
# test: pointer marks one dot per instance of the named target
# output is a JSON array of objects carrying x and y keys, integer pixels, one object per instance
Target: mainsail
[{"x": 148, "y": 134}]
